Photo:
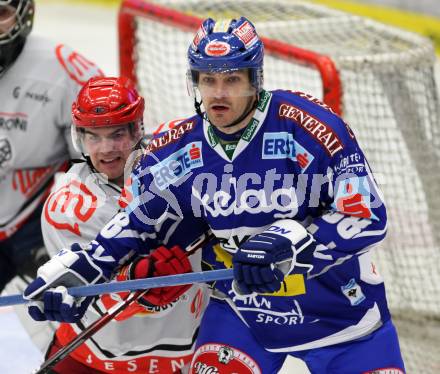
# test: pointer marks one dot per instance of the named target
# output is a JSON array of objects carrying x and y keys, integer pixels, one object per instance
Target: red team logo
[
  {"x": 303, "y": 160},
  {"x": 73, "y": 199},
  {"x": 194, "y": 152},
  {"x": 77, "y": 66},
  {"x": 353, "y": 203}
]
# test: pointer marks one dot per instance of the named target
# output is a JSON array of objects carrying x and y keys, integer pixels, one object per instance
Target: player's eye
[
  {"x": 92, "y": 137},
  {"x": 233, "y": 79},
  {"x": 208, "y": 80},
  {"x": 118, "y": 135}
]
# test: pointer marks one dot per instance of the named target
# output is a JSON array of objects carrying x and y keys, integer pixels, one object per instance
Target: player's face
[
  {"x": 226, "y": 96},
  {"x": 7, "y": 19},
  {"x": 108, "y": 149}
]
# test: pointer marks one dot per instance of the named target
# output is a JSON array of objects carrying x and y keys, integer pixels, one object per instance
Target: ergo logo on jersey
[
  {"x": 215, "y": 48},
  {"x": 177, "y": 165},
  {"x": 280, "y": 145}
]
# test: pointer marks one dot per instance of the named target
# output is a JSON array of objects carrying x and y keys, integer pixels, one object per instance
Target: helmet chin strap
[{"x": 250, "y": 107}]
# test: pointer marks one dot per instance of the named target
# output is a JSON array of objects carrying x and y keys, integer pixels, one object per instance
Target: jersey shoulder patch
[{"x": 78, "y": 68}]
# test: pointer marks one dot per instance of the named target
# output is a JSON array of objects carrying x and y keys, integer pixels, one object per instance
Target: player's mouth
[
  {"x": 110, "y": 161},
  {"x": 219, "y": 108}
]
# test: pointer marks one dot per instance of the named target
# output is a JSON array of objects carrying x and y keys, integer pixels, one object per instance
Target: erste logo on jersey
[
  {"x": 73, "y": 201},
  {"x": 323, "y": 133},
  {"x": 77, "y": 66},
  {"x": 177, "y": 165},
  {"x": 281, "y": 145}
]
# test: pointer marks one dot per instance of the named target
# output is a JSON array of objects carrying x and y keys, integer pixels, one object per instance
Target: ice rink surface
[{"x": 90, "y": 30}]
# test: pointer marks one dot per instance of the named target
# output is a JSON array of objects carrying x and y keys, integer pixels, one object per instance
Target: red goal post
[{"x": 131, "y": 9}]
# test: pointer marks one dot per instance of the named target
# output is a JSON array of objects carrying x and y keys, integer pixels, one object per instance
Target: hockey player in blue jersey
[{"x": 283, "y": 184}]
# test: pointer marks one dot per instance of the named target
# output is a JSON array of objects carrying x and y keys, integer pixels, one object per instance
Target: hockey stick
[
  {"x": 133, "y": 285},
  {"x": 139, "y": 284},
  {"x": 109, "y": 315},
  {"x": 47, "y": 365}
]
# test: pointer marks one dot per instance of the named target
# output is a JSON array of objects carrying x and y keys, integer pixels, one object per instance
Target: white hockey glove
[
  {"x": 261, "y": 263},
  {"x": 48, "y": 294}
]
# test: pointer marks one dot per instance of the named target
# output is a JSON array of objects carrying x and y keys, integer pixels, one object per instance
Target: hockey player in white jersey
[
  {"x": 284, "y": 185},
  {"x": 39, "y": 80},
  {"x": 108, "y": 116}
]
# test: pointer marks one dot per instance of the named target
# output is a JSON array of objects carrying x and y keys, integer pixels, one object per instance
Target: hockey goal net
[{"x": 380, "y": 79}]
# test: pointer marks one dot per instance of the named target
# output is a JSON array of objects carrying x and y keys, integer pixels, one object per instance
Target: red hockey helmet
[{"x": 107, "y": 102}]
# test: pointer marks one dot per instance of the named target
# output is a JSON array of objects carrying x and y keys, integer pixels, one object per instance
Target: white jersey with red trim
[
  {"x": 157, "y": 340},
  {"x": 36, "y": 94}
]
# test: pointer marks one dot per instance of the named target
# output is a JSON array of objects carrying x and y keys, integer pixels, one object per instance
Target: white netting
[{"x": 390, "y": 100}]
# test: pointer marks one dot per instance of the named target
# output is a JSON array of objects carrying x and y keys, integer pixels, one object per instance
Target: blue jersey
[{"x": 296, "y": 159}]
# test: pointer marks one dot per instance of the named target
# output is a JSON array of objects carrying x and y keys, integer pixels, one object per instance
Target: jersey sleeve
[
  {"x": 152, "y": 218},
  {"x": 353, "y": 215}
]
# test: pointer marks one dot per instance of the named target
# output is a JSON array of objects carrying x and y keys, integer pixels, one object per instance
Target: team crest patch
[
  {"x": 222, "y": 359},
  {"x": 70, "y": 205},
  {"x": 225, "y": 355},
  {"x": 353, "y": 292},
  {"x": 352, "y": 197},
  {"x": 5, "y": 152}
]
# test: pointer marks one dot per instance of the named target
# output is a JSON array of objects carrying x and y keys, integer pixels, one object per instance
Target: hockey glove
[
  {"x": 48, "y": 294},
  {"x": 261, "y": 263},
  {"x": 160, "y": 262}
]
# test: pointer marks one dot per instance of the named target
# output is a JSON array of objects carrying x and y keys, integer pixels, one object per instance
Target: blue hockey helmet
[{"x": 227, "y": 45}]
